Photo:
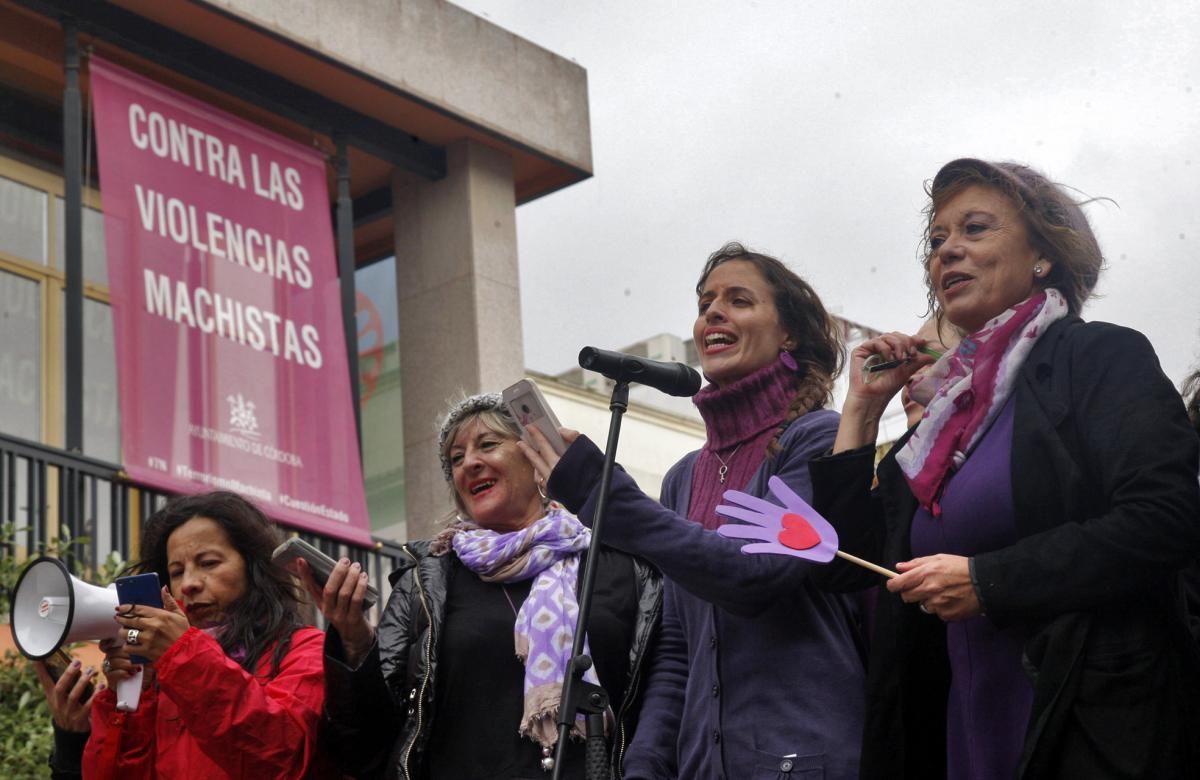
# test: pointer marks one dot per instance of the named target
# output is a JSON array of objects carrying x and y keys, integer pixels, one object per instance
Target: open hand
[{"x": 794, "y": 529}]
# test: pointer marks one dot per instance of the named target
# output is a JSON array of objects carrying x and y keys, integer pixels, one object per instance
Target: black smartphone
[
  {"x": 57, "y": 663},
  {"x": 139, "y": 589}
]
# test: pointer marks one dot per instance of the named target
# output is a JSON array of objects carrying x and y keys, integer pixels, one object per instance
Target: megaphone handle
[{"x": 129, "y": 691}]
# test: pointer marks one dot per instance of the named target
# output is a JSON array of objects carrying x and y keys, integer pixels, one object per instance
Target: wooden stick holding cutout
[{"x": 794, "y": 529}]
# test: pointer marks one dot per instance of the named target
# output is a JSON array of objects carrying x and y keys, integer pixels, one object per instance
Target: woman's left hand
[
  {"x": 157, "y": 628},
  {"x": 541, "y": 454},
  {"x": 941, "y": 584}
]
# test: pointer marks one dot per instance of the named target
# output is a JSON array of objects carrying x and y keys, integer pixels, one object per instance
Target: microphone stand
[{"x": 578, "y": 696}]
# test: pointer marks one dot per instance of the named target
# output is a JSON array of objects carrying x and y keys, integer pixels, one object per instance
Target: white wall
[{"x": 651, "y": 440}]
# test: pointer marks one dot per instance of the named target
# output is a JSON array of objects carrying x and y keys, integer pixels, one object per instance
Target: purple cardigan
[{"x": 775, "y": 679}]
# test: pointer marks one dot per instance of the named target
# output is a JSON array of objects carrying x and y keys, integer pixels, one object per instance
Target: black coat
[
  {"x": 378, "y": 717},
  {"x": 1107, "y": 509}
]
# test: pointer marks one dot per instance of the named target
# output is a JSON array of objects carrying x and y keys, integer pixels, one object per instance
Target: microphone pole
[{"x": 579, "y": 696}]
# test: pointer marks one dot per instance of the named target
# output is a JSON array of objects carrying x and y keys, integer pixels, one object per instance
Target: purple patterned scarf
[
  {"x": 547, "y": 551},
  {"x": 966, "y": 389}
]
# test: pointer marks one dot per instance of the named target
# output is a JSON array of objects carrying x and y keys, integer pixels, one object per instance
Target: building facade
[{"x": 435, "y": 124}]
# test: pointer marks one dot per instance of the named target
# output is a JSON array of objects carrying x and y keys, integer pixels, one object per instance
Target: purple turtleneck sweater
[{"x": 741, "y": 419}]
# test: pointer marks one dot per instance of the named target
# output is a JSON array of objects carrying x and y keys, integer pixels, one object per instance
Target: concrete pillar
[{"x": 460, "y": 306}]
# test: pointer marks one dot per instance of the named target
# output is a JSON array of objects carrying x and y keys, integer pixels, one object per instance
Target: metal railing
[{"x": 45, "y": 490}]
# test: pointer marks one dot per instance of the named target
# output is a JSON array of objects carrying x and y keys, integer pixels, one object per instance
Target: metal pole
[
  {"x": 345, "y": 250},
  {"x": 73, "y": 236},
  {"x": 569, "y": 704}
]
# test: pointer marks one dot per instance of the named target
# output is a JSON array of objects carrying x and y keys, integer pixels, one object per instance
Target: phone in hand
[
  {"x": 528, "y": 407},
  {"x": 139, "y": 589},
  {"x": 320, "y": 563}
]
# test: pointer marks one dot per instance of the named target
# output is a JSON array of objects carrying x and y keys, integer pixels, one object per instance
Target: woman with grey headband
[{"x": 463, "y": 675}]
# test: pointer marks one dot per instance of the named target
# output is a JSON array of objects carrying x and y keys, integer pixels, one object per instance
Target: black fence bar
[
  {"x": 73, "y": 236},
  {"x": 346, "y": 263},
  {"x": 93, "y": 500}
]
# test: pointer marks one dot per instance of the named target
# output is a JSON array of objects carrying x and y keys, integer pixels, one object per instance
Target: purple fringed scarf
[
  {"x": 965, "y": 390},
  {"x": 547, "y": 550}
]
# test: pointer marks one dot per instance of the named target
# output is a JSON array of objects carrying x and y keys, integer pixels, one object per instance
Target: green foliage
[{"x": 26, "y": 734}]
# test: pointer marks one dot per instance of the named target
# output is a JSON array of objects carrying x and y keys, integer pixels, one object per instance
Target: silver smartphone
[
  {"x": 529, "y": 408},
  {"x": 321, "y": 564}
]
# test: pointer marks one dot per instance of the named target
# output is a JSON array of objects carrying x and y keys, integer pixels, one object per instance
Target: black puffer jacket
[{"x": 378, "y": 716}]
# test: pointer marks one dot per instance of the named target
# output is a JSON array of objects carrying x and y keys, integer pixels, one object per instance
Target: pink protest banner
[{"x": 231, "y": 356}]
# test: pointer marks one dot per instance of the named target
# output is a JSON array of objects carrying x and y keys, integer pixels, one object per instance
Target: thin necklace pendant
[
  {"x": 508, "y": 598},
  {"x": 724, "y": 470}
]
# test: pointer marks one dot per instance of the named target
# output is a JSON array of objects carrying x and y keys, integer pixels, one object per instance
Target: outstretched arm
[{"x": 698, "y": 560}]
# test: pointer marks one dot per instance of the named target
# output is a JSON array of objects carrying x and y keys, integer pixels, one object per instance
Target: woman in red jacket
[{"x": 235, "y": 685}]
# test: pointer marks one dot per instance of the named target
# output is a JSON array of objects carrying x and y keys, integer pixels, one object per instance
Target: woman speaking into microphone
[
  {"x": 759, "y": 671},
  {"x": 1038, "y": 513}
]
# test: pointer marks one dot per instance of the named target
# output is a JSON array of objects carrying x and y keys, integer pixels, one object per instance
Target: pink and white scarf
[
  {"x": 966, "y": 389},
  {"x": 547, "y": 551}
]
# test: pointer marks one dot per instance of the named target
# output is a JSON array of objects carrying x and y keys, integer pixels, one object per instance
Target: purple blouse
[{"x": 990, "y": 693}]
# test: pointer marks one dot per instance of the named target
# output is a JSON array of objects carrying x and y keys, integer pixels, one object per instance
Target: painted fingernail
[
  {"x": 101, "y": 687},
  {"x": 90, "y": 671},
  {"x": 355, "y": 566},
  {"x": 76, "y": 663},
  {"x": 343, "y": 560}
]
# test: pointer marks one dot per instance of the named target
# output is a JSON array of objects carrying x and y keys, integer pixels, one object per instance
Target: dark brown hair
[
  {"x": 268, "y": 611},
  {"x": 818, "y": 350},
  {"x": 1054, "y": 221}
]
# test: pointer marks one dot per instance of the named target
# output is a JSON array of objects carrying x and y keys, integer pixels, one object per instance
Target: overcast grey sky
[{"x": 807, "y": 129}]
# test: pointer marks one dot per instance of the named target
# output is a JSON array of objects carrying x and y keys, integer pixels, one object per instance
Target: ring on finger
[
  {"x": 106, "y": 666},
  {"x": 132, "y": 637}
]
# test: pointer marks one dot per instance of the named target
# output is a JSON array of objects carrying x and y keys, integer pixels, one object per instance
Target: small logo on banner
[{"x": 241, "y": 415}]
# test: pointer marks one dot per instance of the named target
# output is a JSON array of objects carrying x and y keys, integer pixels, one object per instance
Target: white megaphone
[{"x": 51, "y": 608}]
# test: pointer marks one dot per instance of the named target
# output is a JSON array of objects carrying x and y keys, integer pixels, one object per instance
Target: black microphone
[{"x": 670, "y": 378}]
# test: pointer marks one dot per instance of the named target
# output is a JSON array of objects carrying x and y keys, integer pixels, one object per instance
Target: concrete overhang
[{"x": 402, "y": 79}]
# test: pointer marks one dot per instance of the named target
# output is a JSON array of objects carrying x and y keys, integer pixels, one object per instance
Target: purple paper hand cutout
[{"x": 794, "y": 529}]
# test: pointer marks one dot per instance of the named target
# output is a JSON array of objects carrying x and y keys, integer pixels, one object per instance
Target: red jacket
[{"x": 208, "y": 717}]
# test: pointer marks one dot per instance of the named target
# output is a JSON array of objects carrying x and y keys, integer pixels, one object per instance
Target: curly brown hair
[
  {"x": 1055, "y": 223},
  {"x": 819, "y": 352}
]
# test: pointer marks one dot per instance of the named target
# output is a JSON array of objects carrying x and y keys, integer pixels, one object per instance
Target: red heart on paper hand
[{"x": 797, "y": 533}]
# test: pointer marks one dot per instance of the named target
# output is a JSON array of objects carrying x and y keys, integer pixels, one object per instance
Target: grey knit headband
[{"x": 468, "y": 407}]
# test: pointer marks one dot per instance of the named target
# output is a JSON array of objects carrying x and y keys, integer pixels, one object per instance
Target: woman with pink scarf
[{"x": 1038, "y": 513}]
